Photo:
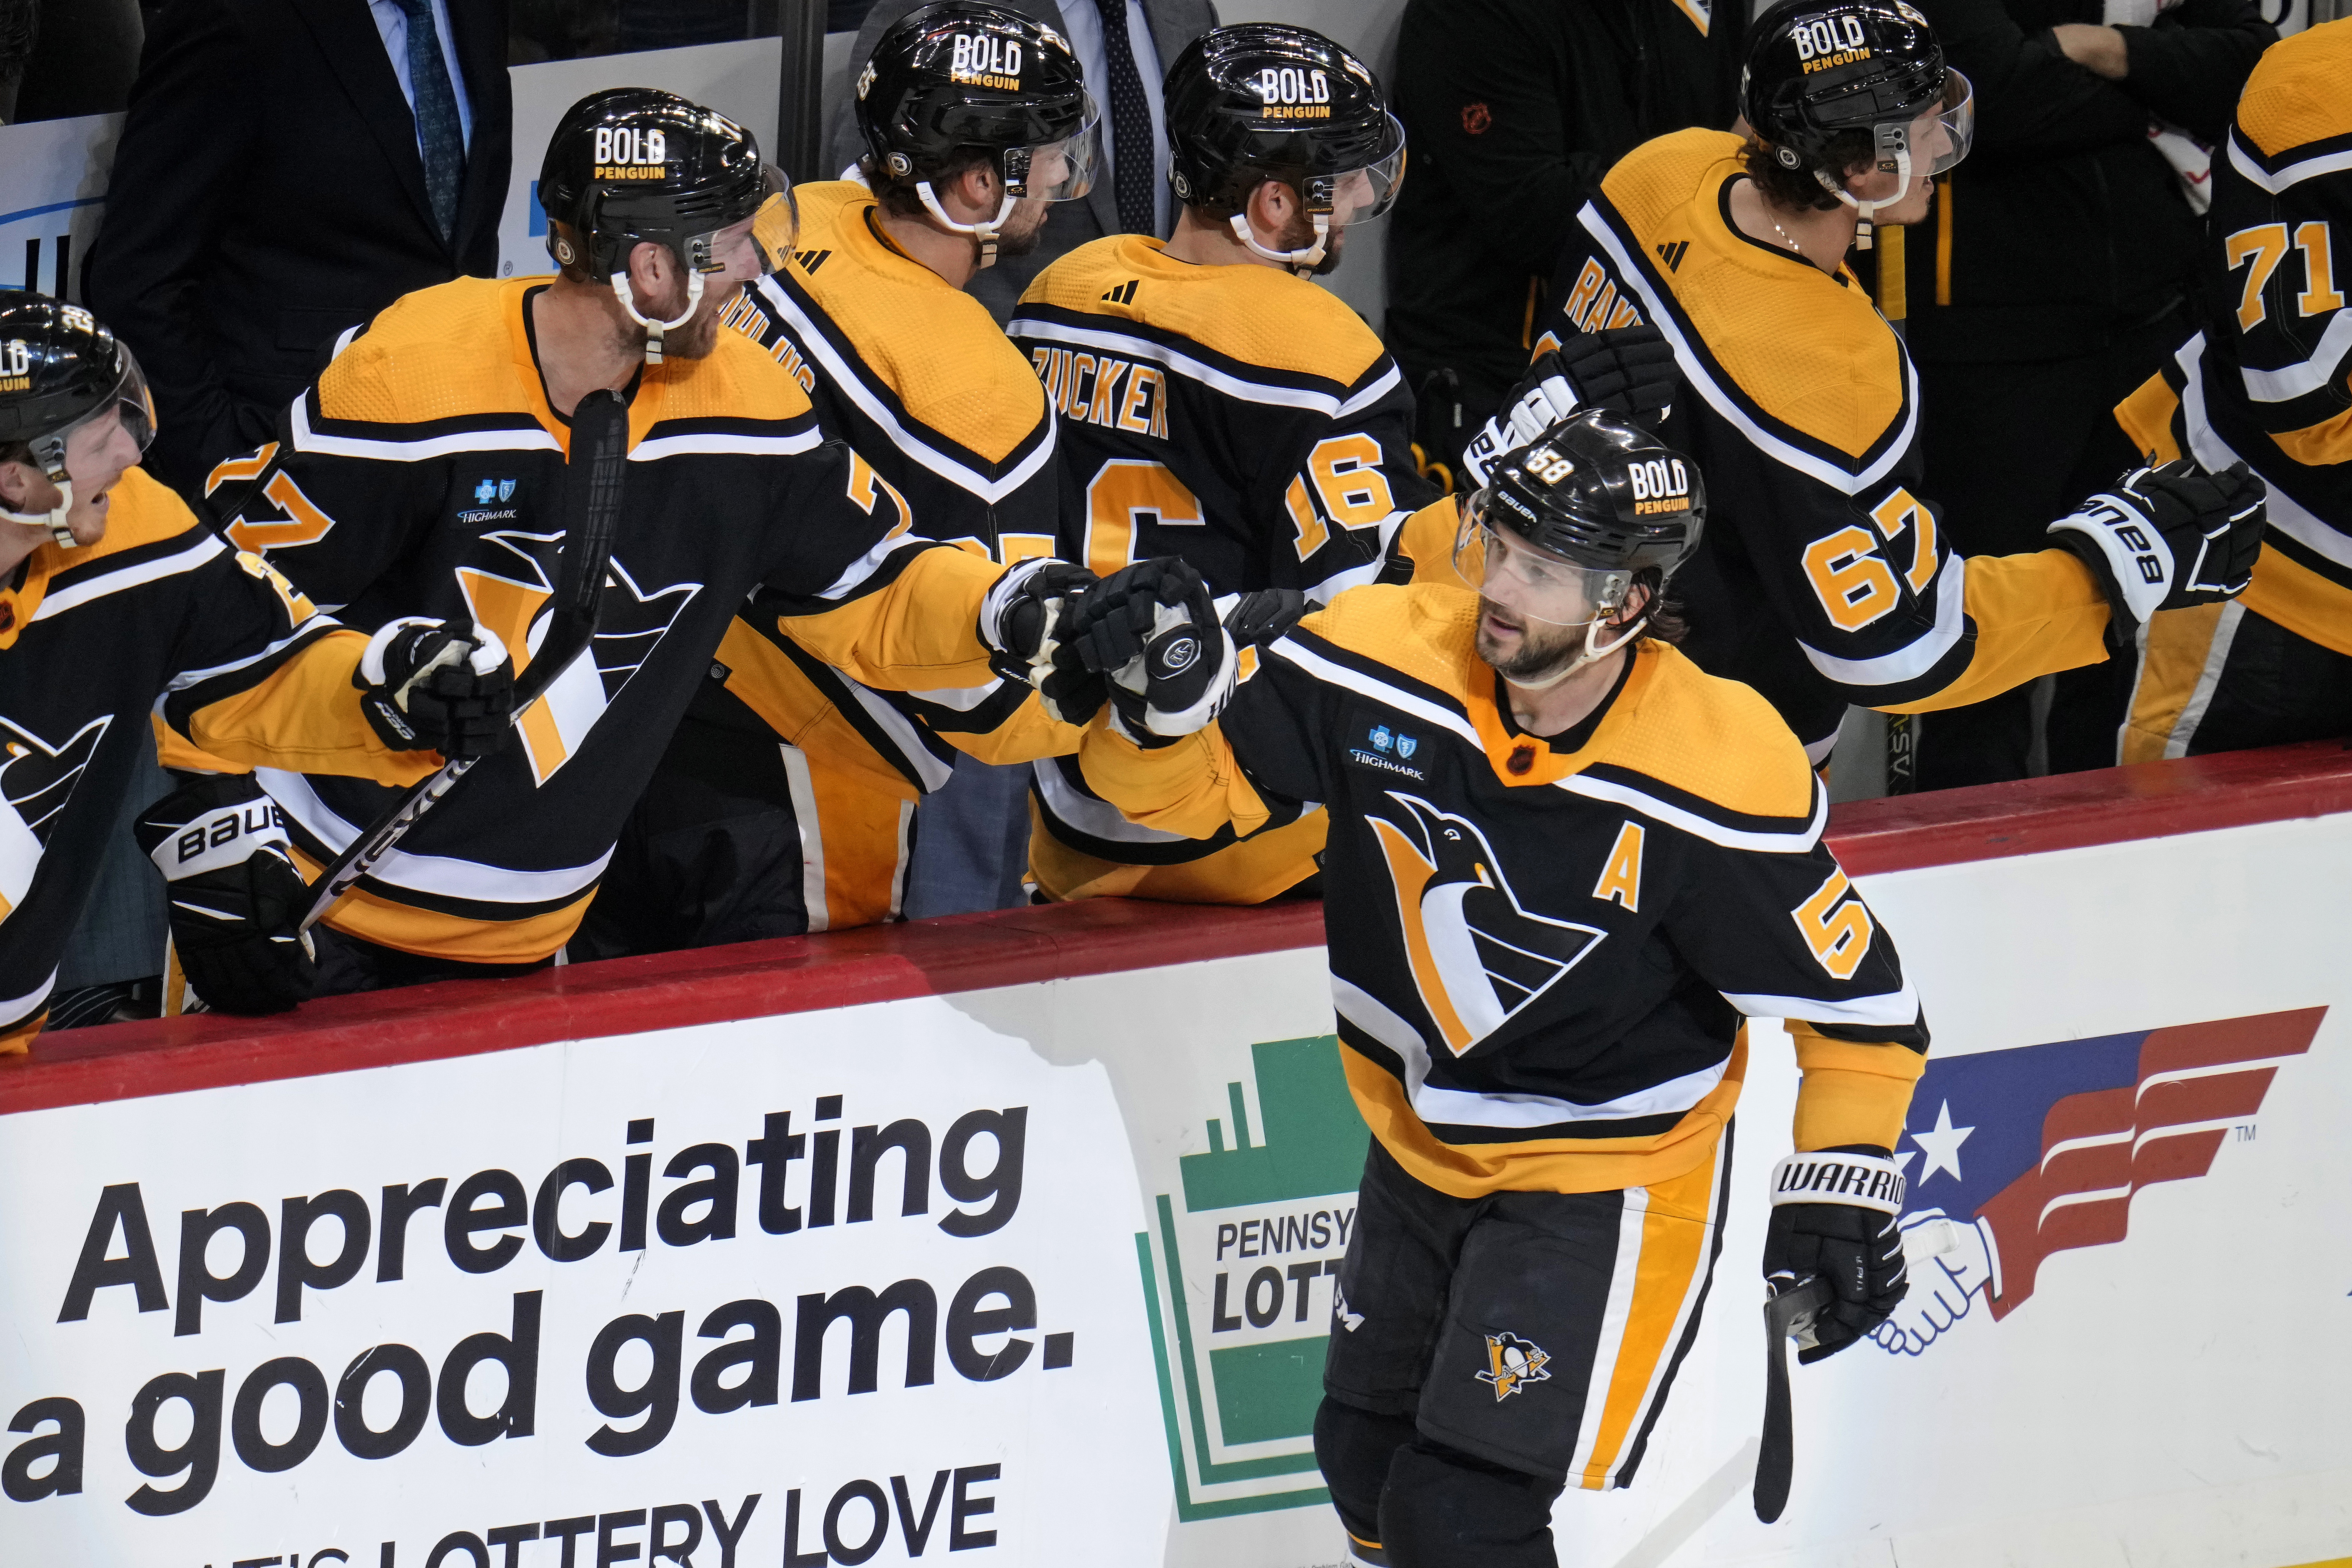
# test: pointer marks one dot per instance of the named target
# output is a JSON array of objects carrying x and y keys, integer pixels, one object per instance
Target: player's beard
[
  {"x": 1540, "y": 649},
  {"x": 1023, "y": 230},
  {"x": 699, "y": 335},
  {"x": 1300, "y": 236}
]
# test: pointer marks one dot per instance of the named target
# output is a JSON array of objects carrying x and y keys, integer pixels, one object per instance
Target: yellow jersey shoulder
[
  {"x": 1258, "y": 316},
  {"x": 1426, "y": 629},
  {"x": 2298, "y": 92},
  {"x": 438, "y": 353},
  {"x": 1809, "y": 350},
  {"x": 737, "y": 380},
  {"x": 1713, "y": 738}
]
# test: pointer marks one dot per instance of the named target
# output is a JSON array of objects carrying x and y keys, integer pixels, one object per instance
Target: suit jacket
[
  {"x": 268, "y": 194},
  {"x": 1069, "y": 225}
]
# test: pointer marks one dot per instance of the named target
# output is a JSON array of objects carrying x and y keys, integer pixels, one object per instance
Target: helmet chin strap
[
  {"x": 983, "y": 234},
  {"x": 655, "y": 328},
  {"x": 1594, "y": 649},
  {"x": 50, "y": 453},
  {"x": 1302, "y": 263},
  {"x": 1865, "y": 224}
]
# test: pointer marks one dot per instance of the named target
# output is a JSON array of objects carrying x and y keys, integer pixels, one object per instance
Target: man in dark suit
[
  {"x": 1132, "y": 199},
  {"x": 289, "y": 168}
]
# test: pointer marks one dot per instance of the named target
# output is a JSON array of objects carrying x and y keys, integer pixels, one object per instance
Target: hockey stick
[
  {"x": 591, "y": 513},
  {"x": 1788, "y": 1312}
]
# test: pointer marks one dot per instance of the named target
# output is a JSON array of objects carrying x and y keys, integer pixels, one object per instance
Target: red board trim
[{"x": 1026, "y": 947}]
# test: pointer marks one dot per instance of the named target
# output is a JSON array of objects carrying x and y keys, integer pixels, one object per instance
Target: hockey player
[
  {"x": 2267, "y": 382},
  {"x": 423, "y": 471},
  {"x": 1563, "y": 863},
  {"x": 1216, "y": 404},
  {"x": 1826, "y": 580},
  {"x": 115, "y": 602},
  {"x": 976, "y": 120}
]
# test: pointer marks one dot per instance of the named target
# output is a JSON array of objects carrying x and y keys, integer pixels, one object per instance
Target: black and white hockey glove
[
  {"x": 1152, "y": 629},
  {"x": 2168, "y": 537},
  {"x": 1833, "y": 1216},
  {"x": 237, "y": 901},
  {"x": 1024, "y": 620},
  {"x": 431, "y": 685},
  {"x": 1630, "y": 370},
  {"x": 1255, "y": 619}
]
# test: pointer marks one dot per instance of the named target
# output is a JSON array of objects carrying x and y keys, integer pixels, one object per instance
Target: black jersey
[
  {"x": 1825, "y": 577},
  {"x": 159, "y": 617},
  {"x": 422, "y": 476},
  {"x": 1541, "y": 958}
]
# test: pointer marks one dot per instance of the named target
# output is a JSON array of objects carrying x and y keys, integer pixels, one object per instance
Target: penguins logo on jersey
[
  {"x": 1477, "y": 956},
  {"x": 1512, "y": 1363},
  {"x": 35, "y": 782},
  {"x": 507, "y": 591}
]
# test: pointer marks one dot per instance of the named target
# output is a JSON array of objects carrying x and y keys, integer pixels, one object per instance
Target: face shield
[
  {"x": 1529, "y": 581},
  {"x": 1335, "y": 201},
  {"x": 1058, "y": 170},
  {"x": 1919, "y": 148},
  {"x": 56, "y": 451}
]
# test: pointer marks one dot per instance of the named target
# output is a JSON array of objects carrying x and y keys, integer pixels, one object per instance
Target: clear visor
[
  {"x": 1529, "y": 581},
  {"x": 1941, "y": 139},
  {"x": 131, "y": 396},
  {"x": 1359, "y": 195},
  {"x": 1059, "y": 171},
  {"x": 775, "y": 228}
]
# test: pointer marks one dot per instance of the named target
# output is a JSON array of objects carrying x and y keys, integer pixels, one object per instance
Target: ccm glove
[
  {"x": 428, "y": 686},
  {"x": 1152, "y": 629},
  {"x": 2168, "y": 537},
  {"x": 1024, "y": 621},
  {"x": 1833, "y": 1216},
  {"x": 1631, "y": 371},
  {"x": 237, "y": 901}
]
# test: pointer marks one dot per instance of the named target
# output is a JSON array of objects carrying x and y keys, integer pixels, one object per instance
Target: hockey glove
[
  {"x": 1833, "y": 1216},
  {"x": 1024, "y": 620},
  {"x": 1152, "y": 629},
  {"x": 1256, "y": 618},
  {"x": 1630, "y": 370},
  {"x": 429, "y": 687},
  {"x": 237, "y": 901},
  {"x": 2168, "y": 537}
]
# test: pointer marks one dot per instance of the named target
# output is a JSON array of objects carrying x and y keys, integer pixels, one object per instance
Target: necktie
[
  {"x": 440, "y": 137},
  {"x": 1131, "y": 153}
]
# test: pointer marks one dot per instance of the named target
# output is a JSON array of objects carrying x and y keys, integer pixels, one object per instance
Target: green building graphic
[{"x": 1262, "y": 1394}]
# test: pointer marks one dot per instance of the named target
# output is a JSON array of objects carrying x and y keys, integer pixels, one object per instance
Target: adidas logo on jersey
[
  {"x": 1671, "y": 253},
  {"x": 1121, "y": 293},
  {"x": 810, "y": 260},
  {"x": 624, "y": 153},
  {"x": 986, "y": 61}
]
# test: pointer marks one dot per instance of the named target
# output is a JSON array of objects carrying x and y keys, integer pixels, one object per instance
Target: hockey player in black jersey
[
  {"x": 423, "y": 471},
  {"x": 116, "y": 604},
  {"x": 1564, "y": 865}
]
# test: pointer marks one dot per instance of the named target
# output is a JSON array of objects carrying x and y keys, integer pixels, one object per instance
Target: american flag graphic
[{"x": 2045, "y": 1145}]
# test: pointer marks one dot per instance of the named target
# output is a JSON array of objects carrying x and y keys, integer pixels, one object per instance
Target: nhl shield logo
[{"x": 1512, "y": 1363}]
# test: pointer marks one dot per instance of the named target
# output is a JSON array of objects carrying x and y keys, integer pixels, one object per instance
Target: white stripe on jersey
[
  {"x": 1836, "y": 477},
  {"x": 520, "y": 438},
  {"x": 867, "y": 565},
  {"x": 802, "y": 790},
  {"x": 187, "y": 678},
  {"x": 960, "y": 699},
  {"x": 438, "y": 875},
  {"x": 2293, "y": 174},
  {"x": 1461, "y": 1108},
  {"x": 852, "y": 385},
  {"x": 82, "y": 594},
  {"x": 1382, "y": 386},
  {"x": 2286, "y": 514},
  {"x": 1323, "y": 669},
  {"x": 1916, "y": 657},
  {"x": 1899, "y": 1010},
  {"x": 1184, "y": 365},
  {"x": 932, "y": 774},
  {"x": 2326, "y": 364},
  {"x": 1616, "y": 794},
  {"x": 724, "y": 444},
  {"x": 1087, "y": 815}
]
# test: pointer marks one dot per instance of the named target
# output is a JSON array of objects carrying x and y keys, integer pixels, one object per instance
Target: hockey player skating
[
  {"x": 1826, "y": 580},
  {"x": 739, "y": 836},
  {"x": 1563, "y": 863},
  {"x": 423, "y": 473},
  {"x": 116, "y": 602},
  {"x": 2267, "y": 382}
]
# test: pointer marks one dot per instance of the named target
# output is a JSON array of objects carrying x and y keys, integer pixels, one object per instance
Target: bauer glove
[
  {"x": 428, "y": 686},
  {"x": 1152, "y": 629},
  {"x": 2168, "y": 537},
  {"x": 1630, "y": 370},
  {"x": 1833, "y": 1216},
  {"x": 237, "y": 901},
  {"x": 1025, "y": 621}
]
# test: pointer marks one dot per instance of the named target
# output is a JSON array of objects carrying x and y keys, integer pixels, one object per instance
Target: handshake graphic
[{"x": 1952, "y": 1263}]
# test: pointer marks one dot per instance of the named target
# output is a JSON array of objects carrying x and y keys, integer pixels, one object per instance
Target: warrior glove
[
  {"x": 237, "y": 901},
  {"x": 1152, "y": 629},
  {"x": 428, "y": 686},
  {"x": 1025, "y": 621},
  {"x": 1833, "y": 1216},
  {"x": 2168, "y": 537},
  {"x": 1630, "y": 370}
]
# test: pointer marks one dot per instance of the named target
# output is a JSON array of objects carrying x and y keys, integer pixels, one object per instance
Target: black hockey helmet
[
  {"x": 58, "y": 371},
  {"x": 1584, "y": 508},
  {"x": 1817, "y": 70},
  {"x": 633, "y": 164},
  {"x": 1263, "y": 101}
]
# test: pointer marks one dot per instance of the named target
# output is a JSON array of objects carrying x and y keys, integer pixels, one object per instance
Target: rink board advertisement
[{"x": 1043, "y": 1274}]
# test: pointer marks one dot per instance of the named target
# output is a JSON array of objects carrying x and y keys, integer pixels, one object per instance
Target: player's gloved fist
[
  {"x": 1025, "y": 621},
  {"x": 2167, "y": 538},
  {"x": 1152, "y": 629},
  {"x": 1834, "y": 1216},
  {"x": 430, "y": 685},
  {"x": 1630, "y": 370},
  {"x": 237, "y": 901}
]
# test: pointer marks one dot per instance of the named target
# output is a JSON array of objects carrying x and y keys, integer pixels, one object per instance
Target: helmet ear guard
[{"x": 59, "y": 371}]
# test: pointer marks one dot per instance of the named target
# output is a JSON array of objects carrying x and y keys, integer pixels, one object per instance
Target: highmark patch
[{"x": 1239, "y": 1275}]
